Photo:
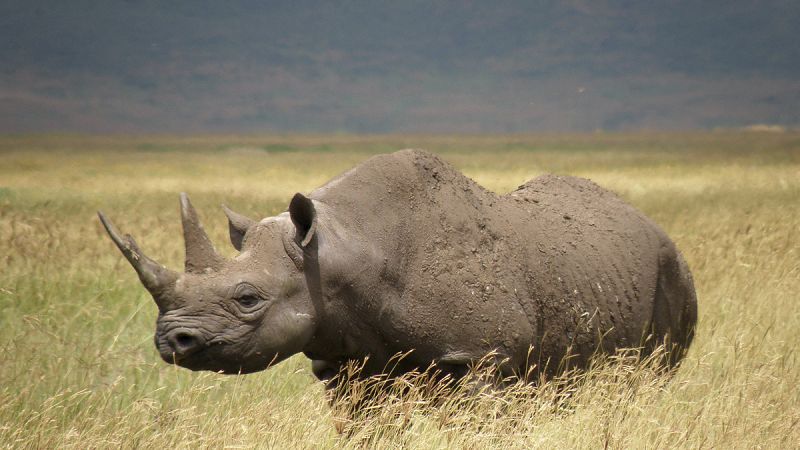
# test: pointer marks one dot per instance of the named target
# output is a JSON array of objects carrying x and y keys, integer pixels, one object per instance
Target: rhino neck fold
[
  {"x": 309, "y": 259},
  {"x": 336, "y": 264},
  {"x": 314, "y": 280}
]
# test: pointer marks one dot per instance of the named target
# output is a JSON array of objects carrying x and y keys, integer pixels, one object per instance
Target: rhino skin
[{"x": 404, "y": 254}]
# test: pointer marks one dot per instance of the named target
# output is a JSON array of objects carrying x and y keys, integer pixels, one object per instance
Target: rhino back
[{"x": 559, "y": 262}]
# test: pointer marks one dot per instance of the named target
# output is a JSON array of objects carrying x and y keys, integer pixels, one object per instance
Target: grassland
[{"x": 78, "y": 368}]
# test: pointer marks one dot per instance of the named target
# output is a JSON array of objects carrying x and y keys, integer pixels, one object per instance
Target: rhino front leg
[{"x": 326, "y": 371}]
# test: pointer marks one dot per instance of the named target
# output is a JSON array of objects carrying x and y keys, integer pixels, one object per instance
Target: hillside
[{"x": 358, "y": 66}]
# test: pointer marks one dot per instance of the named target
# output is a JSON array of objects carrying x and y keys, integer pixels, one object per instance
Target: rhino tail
[{"x": 674, "y": 307}]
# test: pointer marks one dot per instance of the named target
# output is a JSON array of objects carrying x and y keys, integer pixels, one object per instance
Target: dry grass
[{"x": 78, "y": 368}]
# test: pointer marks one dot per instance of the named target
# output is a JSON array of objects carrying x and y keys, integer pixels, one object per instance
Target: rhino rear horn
[
  {"x": 304, "y": 218},
  {"x": 238, "y": 225},
  {"x": 155, "y": 277},
  {"x": 200, "y": 253}
]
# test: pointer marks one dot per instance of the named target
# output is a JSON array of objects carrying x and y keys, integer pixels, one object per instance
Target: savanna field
[{"x": 78, "y": 368}]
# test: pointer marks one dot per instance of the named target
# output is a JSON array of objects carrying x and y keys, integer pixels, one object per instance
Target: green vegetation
[{"x": 78, "y": 368}]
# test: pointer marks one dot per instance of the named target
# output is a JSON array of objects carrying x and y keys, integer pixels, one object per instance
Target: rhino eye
[
  {"x": 248, "y": 300},
  {"x": 247, "y": 297}
]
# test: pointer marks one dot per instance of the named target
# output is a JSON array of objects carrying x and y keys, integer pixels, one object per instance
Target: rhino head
[{"x": 235, "y": 315}]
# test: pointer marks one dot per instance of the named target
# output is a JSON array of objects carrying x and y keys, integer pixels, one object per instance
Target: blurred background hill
[{"x": 411, "y": 66}]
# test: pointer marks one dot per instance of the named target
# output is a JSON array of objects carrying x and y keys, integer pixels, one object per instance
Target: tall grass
[{"x": 78, "y": 368}]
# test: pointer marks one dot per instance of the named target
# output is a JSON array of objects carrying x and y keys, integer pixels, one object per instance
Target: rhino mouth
[
  {"x": 204, "y": 361},
  {"x": 206, "y": 356}
]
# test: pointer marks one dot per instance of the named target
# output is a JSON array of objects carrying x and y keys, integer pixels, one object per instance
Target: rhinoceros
[{"x": 403, "y": 254}]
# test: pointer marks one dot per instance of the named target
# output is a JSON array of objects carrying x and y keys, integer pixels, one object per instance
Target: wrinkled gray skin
[{"x": 405, "y": 253}]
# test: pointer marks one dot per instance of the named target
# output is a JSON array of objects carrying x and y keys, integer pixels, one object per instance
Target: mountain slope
[{"x": 402, "y": 66}]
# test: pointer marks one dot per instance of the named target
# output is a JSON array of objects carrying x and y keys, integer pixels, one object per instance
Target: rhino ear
[
  {"x": 238, "y": 225},
  {"x": 304, "y": 218}
]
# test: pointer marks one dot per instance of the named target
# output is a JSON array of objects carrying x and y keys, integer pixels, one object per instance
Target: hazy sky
[{"x": 399, "y": 66}]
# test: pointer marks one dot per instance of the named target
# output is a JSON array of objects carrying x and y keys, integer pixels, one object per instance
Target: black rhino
[{"x": 403, "y": 253}]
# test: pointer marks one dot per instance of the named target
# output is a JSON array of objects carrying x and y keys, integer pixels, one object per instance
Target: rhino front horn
[
  {"x": 155, "y": 277},
  {"x": 200, "y": 253}
]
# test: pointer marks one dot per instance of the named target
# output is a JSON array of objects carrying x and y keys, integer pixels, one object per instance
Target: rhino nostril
[{"x": 184, "y": 342}]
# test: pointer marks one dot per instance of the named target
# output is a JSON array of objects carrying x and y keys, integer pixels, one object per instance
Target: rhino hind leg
[{"x": 674, "y": 308}]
